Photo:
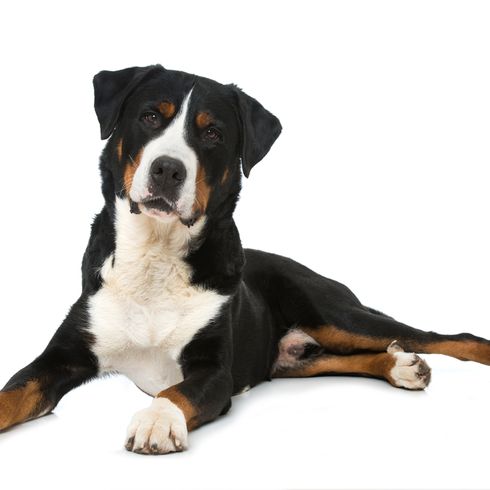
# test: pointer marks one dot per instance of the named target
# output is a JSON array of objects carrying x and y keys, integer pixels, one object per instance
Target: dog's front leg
[
  {"x": 65, "y": 363},
  {"x": 203, "y": 395}
]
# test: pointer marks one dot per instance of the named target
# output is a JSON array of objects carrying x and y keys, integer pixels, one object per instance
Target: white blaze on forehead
[{"x": 172, "y": 143}]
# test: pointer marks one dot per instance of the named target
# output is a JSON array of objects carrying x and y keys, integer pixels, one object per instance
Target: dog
[{"x": 171, "y": 299}]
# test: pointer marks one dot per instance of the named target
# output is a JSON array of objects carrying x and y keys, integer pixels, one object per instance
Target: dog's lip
[
  {"x": 157, "y": 200},
  {"x": 159, "y": 203}
]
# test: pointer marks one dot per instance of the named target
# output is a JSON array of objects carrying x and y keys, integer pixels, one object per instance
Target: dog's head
[{"x": 178, "y": 140}]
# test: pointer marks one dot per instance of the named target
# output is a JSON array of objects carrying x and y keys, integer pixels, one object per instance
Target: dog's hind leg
[
  {"x": 333, "y": 316},
  {"x": 369, "y": 331},
  {"x": 401, "y": 369}
]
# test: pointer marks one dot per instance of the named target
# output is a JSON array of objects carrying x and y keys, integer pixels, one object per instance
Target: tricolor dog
[{"x": 171, "y": 299}]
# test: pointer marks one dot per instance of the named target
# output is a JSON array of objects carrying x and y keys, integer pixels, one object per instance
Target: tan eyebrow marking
[
  {"x": 167, "y": 109},
  {"x": 204, "y": 119}
]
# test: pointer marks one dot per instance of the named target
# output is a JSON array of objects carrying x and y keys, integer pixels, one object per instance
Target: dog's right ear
[{"x": 111, "y": 89}]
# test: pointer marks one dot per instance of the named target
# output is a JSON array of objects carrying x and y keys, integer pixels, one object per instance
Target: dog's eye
[
  {"x": 151, "y": 119},
  {"x": 213, "y": 135}
]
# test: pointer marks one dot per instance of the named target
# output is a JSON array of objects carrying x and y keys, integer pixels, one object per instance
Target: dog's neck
[
  {"x": 211, "y": 248},
  {"x": 136, "y": 230}
]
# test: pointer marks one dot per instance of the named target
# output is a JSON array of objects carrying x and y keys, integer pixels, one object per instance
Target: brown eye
[
  {"x": 212, "y": 134},
  {"x": 151, "y": 119}
]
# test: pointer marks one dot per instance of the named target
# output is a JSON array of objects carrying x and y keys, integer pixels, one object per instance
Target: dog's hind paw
[
  {"x": 409, "y": 370},
  {"x": 158, "y": 429}
]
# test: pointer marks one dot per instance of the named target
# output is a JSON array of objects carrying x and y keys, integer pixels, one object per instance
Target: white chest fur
[{"x": 147, "y": 310}]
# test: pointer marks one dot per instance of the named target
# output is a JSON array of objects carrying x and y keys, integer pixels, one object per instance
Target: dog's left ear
[
  {"x": 260, "y": 129},
  {"x": 111, "y": 89}
]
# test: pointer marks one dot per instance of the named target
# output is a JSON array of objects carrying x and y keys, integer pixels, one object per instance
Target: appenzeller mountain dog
[{"x": 169, "y": 296}]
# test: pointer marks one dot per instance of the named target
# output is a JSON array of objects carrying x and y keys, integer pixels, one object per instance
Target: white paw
[
  {"x": 159, "y": 429},
  {"x": 410, "y": 371}
]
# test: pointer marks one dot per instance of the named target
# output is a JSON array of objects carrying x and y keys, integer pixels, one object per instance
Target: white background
[{"x": 379, "y": 180}]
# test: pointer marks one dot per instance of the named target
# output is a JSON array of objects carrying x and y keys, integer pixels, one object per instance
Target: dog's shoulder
[{"x": 101, "y": 245}]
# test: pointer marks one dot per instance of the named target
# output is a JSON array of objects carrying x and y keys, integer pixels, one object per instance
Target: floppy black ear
[
  {"x": 260, "y": 129},
  {"x": 111, "y": 89}
]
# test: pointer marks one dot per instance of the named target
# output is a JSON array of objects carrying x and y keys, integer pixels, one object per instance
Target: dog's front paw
[
  {"x": 409, "y": 371},
  {"x": 159, "y": 429}
]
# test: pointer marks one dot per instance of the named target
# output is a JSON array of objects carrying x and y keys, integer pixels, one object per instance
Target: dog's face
[{"x": 178, "y": 140}]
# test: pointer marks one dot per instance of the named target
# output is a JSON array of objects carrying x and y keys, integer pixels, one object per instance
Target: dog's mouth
[
  {"x": 162, "y": 209},
  {"x": 159, "y": 204},
  {"x": 156, "y": 207}
]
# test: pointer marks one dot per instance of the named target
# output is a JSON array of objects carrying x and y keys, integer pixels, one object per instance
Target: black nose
[{"x": 167, "y": 172}]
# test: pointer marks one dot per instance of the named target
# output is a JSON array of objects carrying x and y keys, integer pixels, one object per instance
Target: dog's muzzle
[{"x": 165, "y": 180}]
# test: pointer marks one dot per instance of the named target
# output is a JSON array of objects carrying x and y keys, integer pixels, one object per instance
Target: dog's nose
[{"x": 167, "y": 172}]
